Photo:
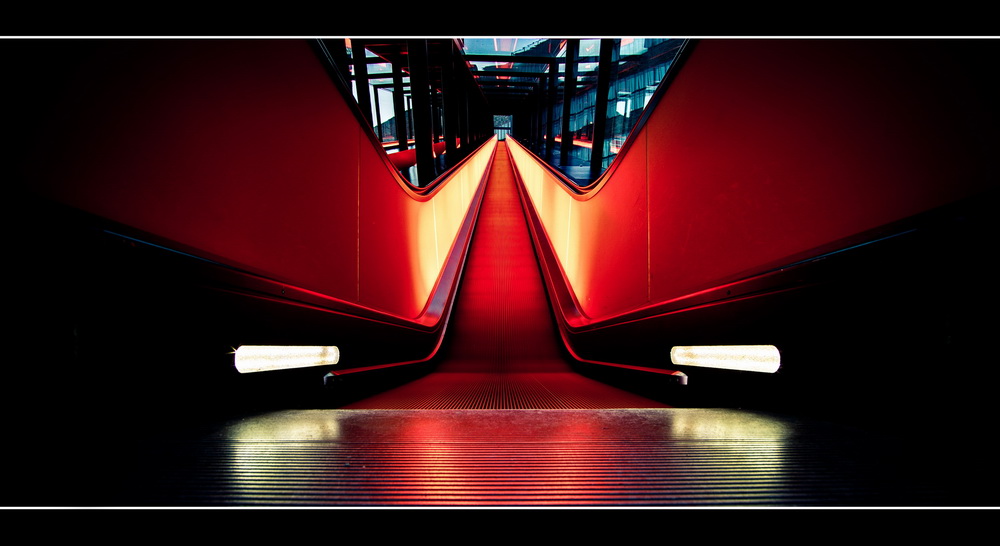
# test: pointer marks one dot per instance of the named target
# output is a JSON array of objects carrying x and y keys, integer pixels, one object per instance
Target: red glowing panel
[
  {"x": 245, "y": 152},
  {"x": 606, "y": 268},
  {"x": 405, "y": 238},
  {"x": 760, "y": 152}
]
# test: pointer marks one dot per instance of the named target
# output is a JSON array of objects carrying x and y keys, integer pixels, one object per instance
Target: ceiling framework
[
  {"x": 432, "y": 91},
  {"x": 514, "y": 80},
  {"x": 452, "y": 90},
  {"x": 396, "y": 52},
  {"x": 507, "y": 81}
]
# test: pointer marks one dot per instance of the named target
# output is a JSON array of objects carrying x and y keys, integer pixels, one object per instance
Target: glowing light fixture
[
  {"x": 504, "y": 45},
  {"x": 749, "y": 358},
  {"x": 264, "y": 358}
]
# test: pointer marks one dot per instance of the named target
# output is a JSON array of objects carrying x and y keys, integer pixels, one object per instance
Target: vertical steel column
[
  {"x": 423, "y": 130},
  {"x": 569, "y": 89},
  {"x": 378, "y": 116},
  {"x": 550, "y": 129},
  {"x": 436, "y": 115},
  {"x": 463, "y": 118},
  {"x": 409, "y": 111},
  {"x": 361, "y": 79},
  {"x": 604, "y": 71},
  {"x": 450, "y": 100},
  {"x": 338, "y": 51},
  {"x": 399, "y": 103},
  {"x": 537, "y": 133}
]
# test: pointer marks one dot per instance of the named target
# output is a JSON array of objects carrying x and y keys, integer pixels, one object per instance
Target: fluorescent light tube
[
  {"x": 749, "y": 358},
  {"x": 264, "y": 358}
]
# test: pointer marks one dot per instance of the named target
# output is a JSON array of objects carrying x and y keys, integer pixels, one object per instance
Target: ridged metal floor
[{"x": 531, "y": 458}]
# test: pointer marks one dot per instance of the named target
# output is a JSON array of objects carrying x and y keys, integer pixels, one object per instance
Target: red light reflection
[{"x": 509, "y": 457}]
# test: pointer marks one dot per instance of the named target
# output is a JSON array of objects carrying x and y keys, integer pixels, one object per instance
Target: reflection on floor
[{"x": 622, "y": 457}]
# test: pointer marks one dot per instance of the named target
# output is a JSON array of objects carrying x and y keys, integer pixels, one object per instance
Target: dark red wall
[
  {"x": 764, "y": 149},
  {"x": 762, "y": 152},
  {"x": 242, "y": 150},
  {"x": 878, "y": 156}
]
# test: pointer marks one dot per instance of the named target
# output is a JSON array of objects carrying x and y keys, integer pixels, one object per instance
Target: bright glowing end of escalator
[
  {"x": 265, "y": 358},
  {"x": 748, "y": 358}
]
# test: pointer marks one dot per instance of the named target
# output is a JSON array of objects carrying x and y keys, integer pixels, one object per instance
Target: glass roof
[
  {"x": 499, "y": 46},
  {"x": 503, "y": 47}
]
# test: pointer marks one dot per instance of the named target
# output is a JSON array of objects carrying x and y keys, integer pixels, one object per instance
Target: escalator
[
  {"x": 503, "y": 419},
  {"x": 153, "y": 245},
  {"x": 502, "y": 350}
]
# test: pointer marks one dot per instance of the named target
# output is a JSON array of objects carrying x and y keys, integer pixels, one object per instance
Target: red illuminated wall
[
  {"x": 244, "y": 151},
  {"x": 764, "y": 151}
]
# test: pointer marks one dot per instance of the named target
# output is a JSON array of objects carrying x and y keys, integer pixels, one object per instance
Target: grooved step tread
[{"x": 630, "y": 457}]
